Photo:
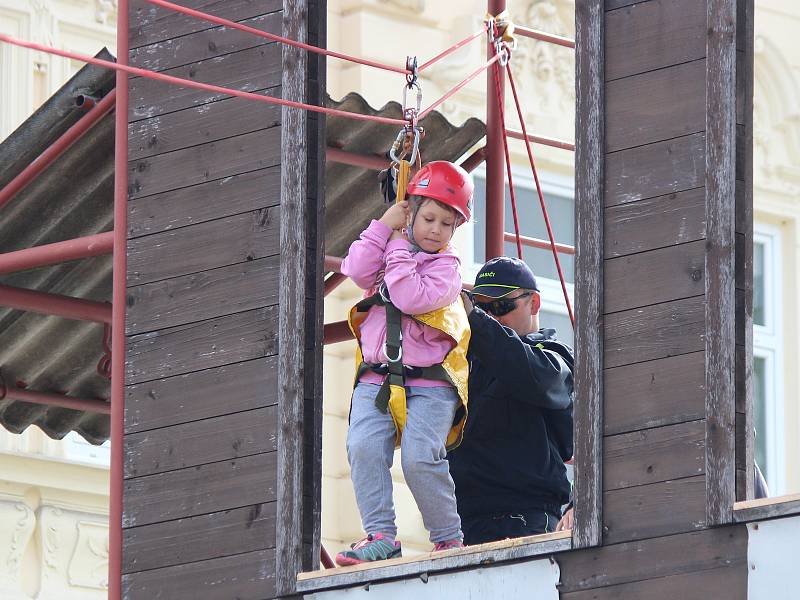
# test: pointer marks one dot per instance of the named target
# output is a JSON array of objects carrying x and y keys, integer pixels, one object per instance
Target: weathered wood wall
[
  {"x": 202, "y": 413},
  {"x": 674, "y": 309}
]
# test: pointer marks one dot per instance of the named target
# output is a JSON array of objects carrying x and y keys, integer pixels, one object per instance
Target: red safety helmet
[{"x": 445, "y": 182}]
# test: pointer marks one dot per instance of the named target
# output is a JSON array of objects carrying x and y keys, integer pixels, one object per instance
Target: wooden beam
[{"x": 589, "y": 201}]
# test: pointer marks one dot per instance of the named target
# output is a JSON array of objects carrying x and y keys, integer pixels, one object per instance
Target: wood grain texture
[
  {"x": 654, "y": 510},
  {"x": 241, "y": 576},
  {"x": 200, "y": 203},
  {"x": 200, "y": 442},
  {"x": 589, "y": 181},
  {"x": 652, "y": 35},
  {"x": 653, "y": 558},
  {"x": 292, "y": 285},
  {"x": 188, "y": 540},
  {"x": 200, "y": 125},
  {"x": 720, "y": 222},
  {"x": 655, "y": 106},
  {"x": 653, "y": 332},
  {"x": 206, "y": 162},
  {"x": 199, "y": 490},
  {"x": 252, "y": 70},
  {"x": 653, "y": 277},
  {"x": 654, "y": 455},
  {"x": 654, "y": 170},
  {"x": 208, "y": 245},
  {"x": 655, "y": 223},
  {"x": 197, "y": 395},
  {"x": 202, "y": 345},
  {"x": 655, "y": 393},
  {"x": 203, "y": 295},
  {"x": 150, "y": 24}
]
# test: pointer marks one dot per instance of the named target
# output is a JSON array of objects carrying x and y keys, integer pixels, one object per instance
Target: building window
[{"x": 767, "y": 369}]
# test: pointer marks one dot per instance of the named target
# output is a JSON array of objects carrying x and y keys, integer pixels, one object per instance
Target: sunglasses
[{"x": 502, "y": 306}]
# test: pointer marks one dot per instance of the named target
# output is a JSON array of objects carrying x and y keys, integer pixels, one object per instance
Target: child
[{"x": 412, "y": 333}]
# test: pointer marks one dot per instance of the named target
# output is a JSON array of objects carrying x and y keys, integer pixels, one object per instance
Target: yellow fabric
[{"x": 452, "y": 321}]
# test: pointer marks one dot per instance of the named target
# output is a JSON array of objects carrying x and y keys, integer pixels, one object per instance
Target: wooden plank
[
  {"x": 203, "y": 295},
  {"x": 201, "y": 395},
  {"x": 206, "y": 162},
  {"x": 652, "y": 558},
  {"x": 202, "y": 45},
  {"x": 656, "y": 105},
  {"x": 247, "y": 576},
  {"x": 199, "y": 490},
  {"x": 654, "y": 455},
  {"x": 655, "y": 276},
  {"x": 766, "y": 508},
  {"x": 188, "y": 444},
  {"x": 154, "y": 23},
  {"x": 187, "y": 540},
  {"x": 720, "y": 339},
  {"x": 652, "y": 332},
  {"x": 200, "y": 124},
  {"x": 655, "y": 169},
  {"x": 203, "y": 345},
  {"x": 654, "y": 510},
  {"x": 484, "y": 554},
  {"x": 204, "y": 202},
  {"x": 655, "y": 223},
  {"x": 252, "y": 70},
  {"x": 726, "y": 582},
  {"x": 652, "y": 35},
  {"x": 655, "y": 393},
  {"x": 589, "y": 178},
  {"x": 615, "y": 4},
  {"x": 187, "y": 250}
]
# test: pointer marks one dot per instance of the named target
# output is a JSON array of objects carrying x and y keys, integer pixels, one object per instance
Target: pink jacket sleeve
[
  {"x": 414, "y": 293},
  {"x": 364, "y": 259}
]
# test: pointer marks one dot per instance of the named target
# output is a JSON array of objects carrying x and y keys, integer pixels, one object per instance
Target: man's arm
[{"x": 528, "y": 373}]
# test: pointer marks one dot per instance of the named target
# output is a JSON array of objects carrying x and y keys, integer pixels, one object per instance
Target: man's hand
[
  {"x": 397, "y": 216},
  {"x": 468, "y": 306},
  {"x": 566, "y": 521}
]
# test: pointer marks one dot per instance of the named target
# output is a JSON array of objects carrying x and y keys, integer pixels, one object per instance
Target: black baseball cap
[{"x": 502, "y": 275}]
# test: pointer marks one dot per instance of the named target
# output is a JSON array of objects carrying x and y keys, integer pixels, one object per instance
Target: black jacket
[{"x": 519, "y": 429}]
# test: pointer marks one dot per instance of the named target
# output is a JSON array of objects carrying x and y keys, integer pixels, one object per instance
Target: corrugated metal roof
[{"x": 74, "y": 197}]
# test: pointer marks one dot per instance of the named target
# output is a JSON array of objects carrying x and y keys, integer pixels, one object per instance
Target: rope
[
  {"x": 449, "y": 94},
  {"x": 195, "y": 84},
  {"x": 541, "y": 196},
  {"x": 452, "y": 49},
  {"x": 508, "y": 159}
]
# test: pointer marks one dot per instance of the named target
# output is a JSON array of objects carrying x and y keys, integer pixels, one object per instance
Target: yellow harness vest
[{"x": 452, "y": 321}]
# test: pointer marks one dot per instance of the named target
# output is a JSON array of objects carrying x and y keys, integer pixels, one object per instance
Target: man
[{"x": 509, "y": 471}]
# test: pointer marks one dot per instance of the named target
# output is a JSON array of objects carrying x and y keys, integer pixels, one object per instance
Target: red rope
[
  {"x": 541, "y": 196},
  {"x": 452, "y": 49},
  {"x": 501, "y": 109},
  {"x": 469, "y": 78},
  {"x": 271, "y": 36},
  {"x": 195, "y": 84}
]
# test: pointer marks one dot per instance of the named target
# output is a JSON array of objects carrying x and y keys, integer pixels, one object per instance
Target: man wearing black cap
[{"x": 509, "y": 471}]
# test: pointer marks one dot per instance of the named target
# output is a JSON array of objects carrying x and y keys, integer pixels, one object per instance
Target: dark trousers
[{"x": 480, "y": 529}]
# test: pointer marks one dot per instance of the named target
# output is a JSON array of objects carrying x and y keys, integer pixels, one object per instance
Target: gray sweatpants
[{"x": 370, "y": 450}]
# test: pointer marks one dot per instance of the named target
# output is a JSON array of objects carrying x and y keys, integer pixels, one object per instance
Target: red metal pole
[
  {"x": 55, "y": 304},
  {"x": 366, "y": 161},
  {"x": 51, "y": 254},
  {"x": 96, "y": 406},
  {"x": 118, "y": 303},
  {"x": 495, "y": 178},
  {"x": 537, "y": 243},
  {"x": 473, "y": 160},
  {"x": 336, "y": 332},
  {"x": 57, "y": 148},
  {"x": 538, "y": 139},
  {"x": 333, "y": 263},
  {"x": 333, "y": 281}
]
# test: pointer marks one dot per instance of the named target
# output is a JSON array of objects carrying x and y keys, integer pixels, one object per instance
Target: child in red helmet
[{"x": 405, "y": 263}]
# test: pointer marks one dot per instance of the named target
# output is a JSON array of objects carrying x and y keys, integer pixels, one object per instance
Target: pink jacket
[{"x": 418, "y": 283}]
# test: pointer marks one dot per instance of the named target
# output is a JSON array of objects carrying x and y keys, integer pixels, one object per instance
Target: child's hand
[
  {"x": 396, "y": 216},
  {"x": 398, "y": 235}
]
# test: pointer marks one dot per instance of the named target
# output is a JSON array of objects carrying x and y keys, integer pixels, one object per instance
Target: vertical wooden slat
[
  {"x": 720, "y": 300},
  {"x": 291, "y": 297},
  {"x": 589, "y": 173}
]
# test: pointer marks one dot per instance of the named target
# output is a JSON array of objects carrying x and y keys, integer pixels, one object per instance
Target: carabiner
[
  {"x": 389, "y": 358},
  {"x": 413, "y": 71},
  {"x": 399, "y": 143}
]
